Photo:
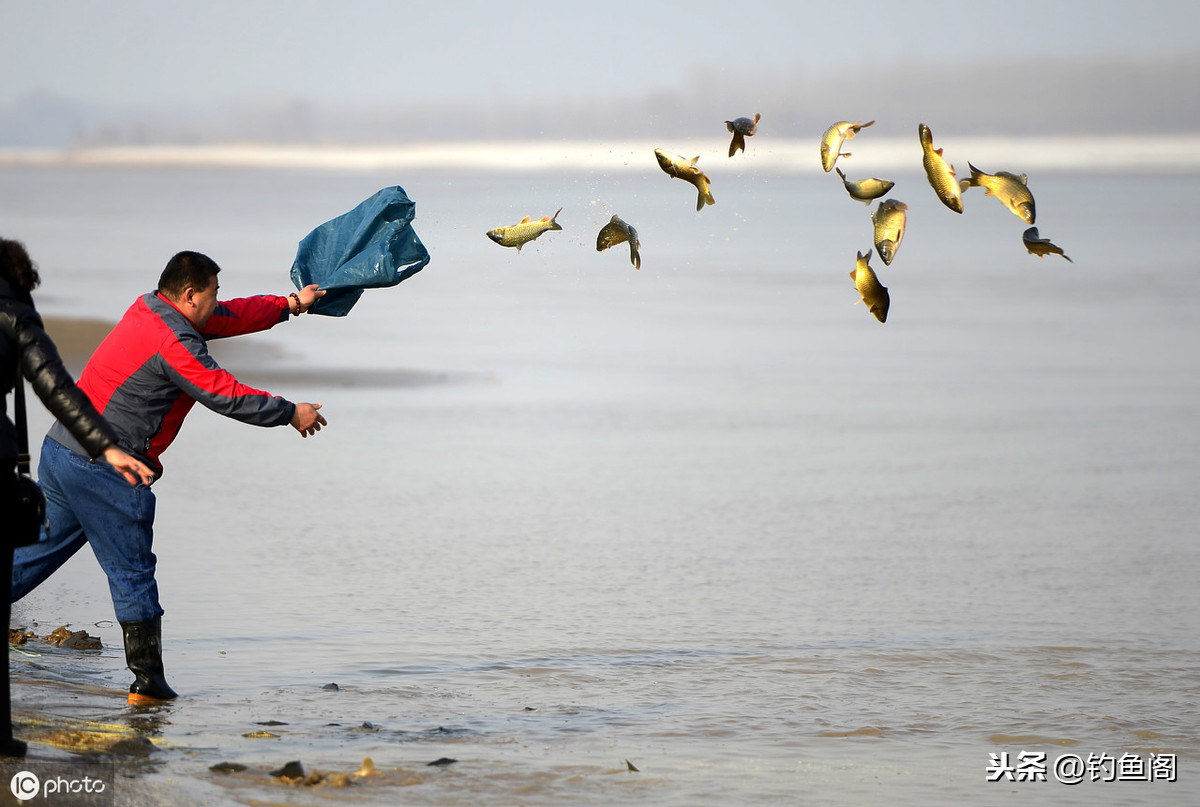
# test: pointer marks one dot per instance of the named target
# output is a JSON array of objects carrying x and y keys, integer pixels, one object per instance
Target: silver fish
[
  {"x": 741, "y": 128},
  {"x": 866, "y": 190},
  {"x": 685, "y": 169},
  {"x": 1036, "y": 245},
  {"x": 617, "y": 232},
  {"x": 869, "y": 288},
  {"x": 834, "y": 137},
  {"x": 939, "y": 172},
  {"x": 521, "y": 233},
  {"x": 889, "y": 220},
  {"x": 1011, "y": 189}
]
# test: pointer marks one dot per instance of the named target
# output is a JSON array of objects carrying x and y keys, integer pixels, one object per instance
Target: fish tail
[{"x": 973, "y": 180}]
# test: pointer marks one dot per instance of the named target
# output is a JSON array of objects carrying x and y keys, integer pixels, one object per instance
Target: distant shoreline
[{"x": 1059, "y": 152}]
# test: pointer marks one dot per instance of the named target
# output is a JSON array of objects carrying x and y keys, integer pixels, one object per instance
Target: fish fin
[
  {"x": 854, "y": 274},
  {"x": 1025, "y": 180},
  {"x": 525, "y": 220},
  {"x": 519, "y": 247},
  {"x": 963, "y": 184},
  {"x": 865, "y": 125},
  {"x": 1068, "y": 259},
  {"x": 738, "y": 142},
  {"x": 839, "y": 171},
  {"x": 729, "y": 125},
  {"x": 694, "y": 160},
  {"x": 555, "y": 216},
  {"x": 634, "y": 256}
]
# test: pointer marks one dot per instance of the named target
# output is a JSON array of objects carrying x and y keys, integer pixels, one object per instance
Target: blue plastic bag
[{"x": 371, "y": 247}]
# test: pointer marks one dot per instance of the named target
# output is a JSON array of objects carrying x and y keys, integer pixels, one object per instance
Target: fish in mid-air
[
  {"x": 1036, "y": 245},
  {"x": 870, "y": 290},
  {"x": 834, "y": 137},
  {"x": 741, "y": 128},
  {"x": 685, "y": 169},
  {"x": 866, "y": 190},
  {"x": 521, "y": 233},
  {"x": 889, "y": 219},
  {"x": 939, "y": 172},
  {"x": 617, "y": 232},
  {"x": 1011, "y": 189}
]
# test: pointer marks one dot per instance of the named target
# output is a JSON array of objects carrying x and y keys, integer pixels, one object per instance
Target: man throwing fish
[{"x": 144, "y": 378}]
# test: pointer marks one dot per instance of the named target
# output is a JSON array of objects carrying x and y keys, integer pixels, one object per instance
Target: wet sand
[
  {"x": 76, "y": 339},
  {"x": 254, "y": 362}
]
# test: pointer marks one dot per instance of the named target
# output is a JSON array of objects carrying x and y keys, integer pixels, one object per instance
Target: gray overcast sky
[{"x": 389, "y": 51}]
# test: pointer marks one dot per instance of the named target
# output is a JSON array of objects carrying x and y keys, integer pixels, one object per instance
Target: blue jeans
[{"x": 89, "y": 502}]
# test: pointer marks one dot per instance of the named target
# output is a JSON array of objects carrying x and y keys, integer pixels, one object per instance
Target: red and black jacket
[{"x": 154, "y": 365}]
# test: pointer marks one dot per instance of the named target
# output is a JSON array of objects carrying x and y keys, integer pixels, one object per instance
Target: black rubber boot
[{"x": 143, "y": 654}]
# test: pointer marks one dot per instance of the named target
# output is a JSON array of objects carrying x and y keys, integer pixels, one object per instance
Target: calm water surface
[{"x": 708, "y": 517}]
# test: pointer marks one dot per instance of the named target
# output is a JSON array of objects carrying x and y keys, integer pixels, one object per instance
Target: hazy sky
[{"x": 151, "y": 52}]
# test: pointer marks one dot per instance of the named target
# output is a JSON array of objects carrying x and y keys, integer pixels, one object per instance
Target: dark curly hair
[{"x": 16, "y": 267}]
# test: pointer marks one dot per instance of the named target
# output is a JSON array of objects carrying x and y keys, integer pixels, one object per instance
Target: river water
[{"x": 708, "y": 518}]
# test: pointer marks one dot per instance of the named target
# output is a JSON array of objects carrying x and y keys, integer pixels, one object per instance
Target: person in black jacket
[{"x": 26, "y": 350}]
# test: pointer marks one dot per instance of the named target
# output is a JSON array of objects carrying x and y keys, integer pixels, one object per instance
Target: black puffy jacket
[{"x": 24, "y": 345}]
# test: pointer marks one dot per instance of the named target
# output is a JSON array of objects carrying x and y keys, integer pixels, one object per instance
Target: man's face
[{"x": 200, "y": 305}]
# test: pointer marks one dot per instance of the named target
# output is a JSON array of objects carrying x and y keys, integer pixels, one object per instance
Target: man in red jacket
[{"x": 144, "y": 378}]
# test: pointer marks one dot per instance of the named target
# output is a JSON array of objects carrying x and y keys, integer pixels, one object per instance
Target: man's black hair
[{"x": 187, "y": 270}]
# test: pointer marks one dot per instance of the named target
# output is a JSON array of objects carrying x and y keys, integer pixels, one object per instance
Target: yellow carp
[
  {"x": 889, "y": 219},
  {"x": 1036, "y": 245},
  {"x": 617, "y": 232},
  {"x": 521, "y": 233},
  {"x": 1011, "y": 189},
  {"x": 741, "y": 128},
  {"x": 686, "y": 170},
  {"x": 869, "y": 288},
  {"x": 940, "y": 172},
  {"x": 834, "y": 137},
  {"x": 866, "y": 190}
]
